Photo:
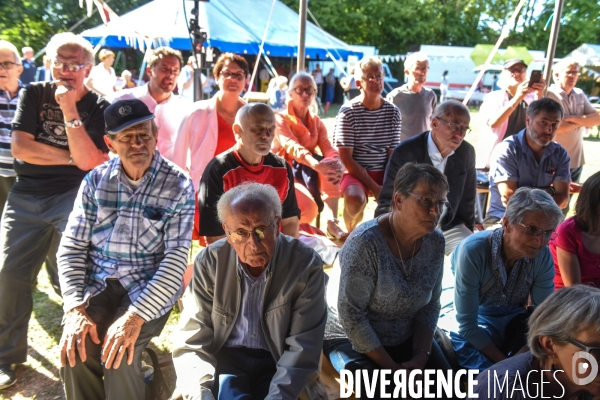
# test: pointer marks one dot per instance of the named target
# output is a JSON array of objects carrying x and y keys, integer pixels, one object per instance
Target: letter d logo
[{"x": 579, "y": 367}]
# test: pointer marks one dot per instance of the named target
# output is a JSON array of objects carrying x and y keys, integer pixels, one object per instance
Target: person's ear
[
  {"x": 548, "y": 345},
  {"x": 397, "y": 201},
  {"x": 149, "y": 71},
  {"x": 507, "y": 227},
  {"x": 434, "y": 122},
  {"x": 527, "y": 121},
  {"x": 225, "y": 230},
  {"x": 109, "y": 144},
  {"x": 237, "y": 128}
]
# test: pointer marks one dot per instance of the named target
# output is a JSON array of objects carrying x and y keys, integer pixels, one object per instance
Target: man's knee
[{"x": 355, "y": 197}]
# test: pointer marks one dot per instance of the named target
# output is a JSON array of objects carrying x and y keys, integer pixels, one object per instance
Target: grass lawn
[{"x": 39, "y": 377}]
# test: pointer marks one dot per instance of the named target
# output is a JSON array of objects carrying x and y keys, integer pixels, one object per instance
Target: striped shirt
[
  {"x": 8, "y": 107},
  {"x": 369, "y": 132},
  {"x": 247, "y": 331},
  {"x": 141, "y": 237}
]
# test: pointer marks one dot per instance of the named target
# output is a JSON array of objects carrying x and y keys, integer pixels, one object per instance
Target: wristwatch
[{"x": 76, "y": 123}]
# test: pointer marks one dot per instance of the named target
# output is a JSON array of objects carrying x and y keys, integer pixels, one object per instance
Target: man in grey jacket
[{"x": 255, "y": 312}]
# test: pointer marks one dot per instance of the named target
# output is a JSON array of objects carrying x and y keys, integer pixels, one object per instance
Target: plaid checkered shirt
[{"x": 140, "y": 237}]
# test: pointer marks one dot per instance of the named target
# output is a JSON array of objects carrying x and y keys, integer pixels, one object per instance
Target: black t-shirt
[
  {"x": 228, "y": 170},
  {"x": 39, "y": 114},
  {"x": 516, "y": 121}
]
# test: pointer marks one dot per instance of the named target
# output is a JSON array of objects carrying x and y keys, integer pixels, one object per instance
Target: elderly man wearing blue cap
[{"x": 122, "y": 258}]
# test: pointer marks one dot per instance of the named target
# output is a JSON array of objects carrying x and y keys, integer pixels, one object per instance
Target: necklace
[{"x": 406, "y": 276}]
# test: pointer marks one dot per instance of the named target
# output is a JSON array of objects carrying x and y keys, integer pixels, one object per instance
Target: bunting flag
[
  {"x": 106, "y": 13},
  {"x": 89, "y": 6}
]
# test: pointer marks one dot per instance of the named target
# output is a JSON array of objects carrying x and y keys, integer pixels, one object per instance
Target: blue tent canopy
[{"x": 232, "y": 25}]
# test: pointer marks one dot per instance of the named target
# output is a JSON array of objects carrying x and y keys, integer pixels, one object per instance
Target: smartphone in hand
[{"x": 536, "y": 77}]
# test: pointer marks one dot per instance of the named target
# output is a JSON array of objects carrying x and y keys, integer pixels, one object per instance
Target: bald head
[
  {"x": 255, "y": 127},
  {"x": 450, "y": 107},
  {"x": 250, "y": 113}
]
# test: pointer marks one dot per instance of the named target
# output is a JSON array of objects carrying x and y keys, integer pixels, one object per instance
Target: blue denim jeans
[
  {"x": 243, "y": 374},
  {"x": 342, "y": 356}
]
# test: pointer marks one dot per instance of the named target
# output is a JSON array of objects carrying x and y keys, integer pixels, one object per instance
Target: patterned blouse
[{"x": 377, "y": 304}]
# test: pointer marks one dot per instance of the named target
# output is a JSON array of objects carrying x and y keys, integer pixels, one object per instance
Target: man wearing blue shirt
[
  {"x": 531, "y": 159},
  {"x": 122, "y": 259}
]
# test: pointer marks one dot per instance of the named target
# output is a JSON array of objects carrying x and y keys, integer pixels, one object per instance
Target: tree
[
  {"x": 34, "y": 22},
  {"x": 398, "y": 26}
]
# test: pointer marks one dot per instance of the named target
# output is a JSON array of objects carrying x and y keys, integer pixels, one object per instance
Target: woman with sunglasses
[
  {"x": 498, "y": 273},
  {"x": 302, "y": 140},
  {"x": 384, "y": 310},
  {"x": 206, "y": 131},
  {"x": 576, "y": 249},
  {"x": 564, "y": 342}
]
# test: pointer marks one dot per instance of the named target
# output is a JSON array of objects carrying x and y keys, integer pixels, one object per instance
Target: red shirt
[
  {"x": 570, "y": 239},
  {"x": 226, "y": 138}
]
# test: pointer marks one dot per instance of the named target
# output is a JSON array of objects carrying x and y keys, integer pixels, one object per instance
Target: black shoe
[{"x": 7, "y": 376}]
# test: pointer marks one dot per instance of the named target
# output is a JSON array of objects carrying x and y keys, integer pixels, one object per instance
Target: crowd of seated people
[{"x": 258, "y": 314}]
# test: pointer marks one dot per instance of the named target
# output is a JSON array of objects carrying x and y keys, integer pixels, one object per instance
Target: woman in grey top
[
  {"x": 564, "y": 343},
  {"x": 390, "y": 282}
]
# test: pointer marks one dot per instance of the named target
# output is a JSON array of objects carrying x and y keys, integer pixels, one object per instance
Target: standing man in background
[
  {"x": 28, "y": 74},
  {"x": 416, "y": 103},
  {"x": 164, "y": 66},
  {"x": 579, "y": 113},
  {"x": 10, "y": 87},
  {"x": 44, "y": 73}
]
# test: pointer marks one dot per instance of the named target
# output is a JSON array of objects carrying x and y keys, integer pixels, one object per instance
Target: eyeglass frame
[
  {"x": 440, "y": 205},
  {"x": 79, "y": 67},
  {"x": 548, "y": 235},
  {"x": 13, "y": 65},
  {"x": 272, "y": 225},
  {"x": 373, "y": 78},
  {"x": 453, "y": 126},
  {"x": 305, "y": 90},
  {"x": 238, "y": 76},
  {"x": 587, "y": 349}
]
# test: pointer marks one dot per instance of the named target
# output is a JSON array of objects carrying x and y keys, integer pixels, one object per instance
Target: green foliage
[
  {"x": 399, "y": 26},
  {"x": 33, "y": 22}
]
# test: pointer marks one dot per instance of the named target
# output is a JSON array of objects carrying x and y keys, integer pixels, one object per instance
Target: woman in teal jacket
[{"x": 498, "y": 274}]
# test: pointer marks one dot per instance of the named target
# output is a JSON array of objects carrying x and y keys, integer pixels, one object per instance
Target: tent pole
[
  {"x": 301, "y": 36},
  {"x": 558, "y": 6}
]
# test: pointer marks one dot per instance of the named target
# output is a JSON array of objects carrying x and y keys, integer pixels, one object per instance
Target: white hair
[
  {"x": 259, "y": 195},
  {"x": 412, "y": 60},
  {"x": 12, "y": 48},
  {"x": 69, "y": 39}
]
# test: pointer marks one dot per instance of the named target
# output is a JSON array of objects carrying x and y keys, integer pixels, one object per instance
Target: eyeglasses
[
  {"x": 595, "y": 351},
  {"x": 456, "y": 127},
  {"x": 535, "y": 231},
  {"x": 8, "y": 65},
  {"x": 239, "y": 76},
  {"x": 169, "y": 71},
  {"x": 373, "y": 78},
  {"x": 71, "y": 67},
  {"x": 127, "y": 138},
  {"x": 309, "y": 91},
  {"x": 517, "y": 70},
  {"x": 572, "y": 73},
  {"x": 427, "y": 203},
  {"x": 263, "y": 232}
]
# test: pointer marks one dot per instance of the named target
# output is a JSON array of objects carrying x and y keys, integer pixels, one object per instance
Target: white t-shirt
[
  {"x": 103, "y": 80},
  {"x": 186, "y": 74}
]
